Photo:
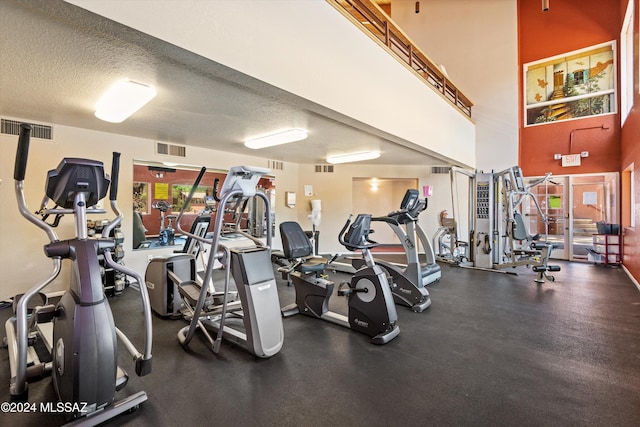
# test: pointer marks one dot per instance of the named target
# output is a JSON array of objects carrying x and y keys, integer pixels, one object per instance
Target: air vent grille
[
  {"x": 171, "y": 149},
  {"x": 324, "y": 168},
  {"x": 12, "y": 127},
  {"x": 275, "y": 165},
  {"x": 440, "y": 169}
]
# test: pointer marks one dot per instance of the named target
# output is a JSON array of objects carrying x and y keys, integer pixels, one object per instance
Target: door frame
[{"x": 568, "y": 206}]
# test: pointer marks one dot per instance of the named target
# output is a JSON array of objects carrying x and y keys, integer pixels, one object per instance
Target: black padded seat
[
  {"x": 296, "y": 245},
  {"x": 313, "y": 265}
]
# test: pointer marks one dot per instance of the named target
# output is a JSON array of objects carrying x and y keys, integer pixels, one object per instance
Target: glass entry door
[
  {"x": 593, "y": 201},
  {"x": 553, "y": 199},
  {"x": 573, "y": 205}
]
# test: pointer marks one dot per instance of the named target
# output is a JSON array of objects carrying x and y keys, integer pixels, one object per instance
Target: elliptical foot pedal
[
  {"x": 190, "y": 290},
  {"x": 41, "y": 300},
  {"x": 122, "y": 378},
  {"x": 45, "y": 313}
]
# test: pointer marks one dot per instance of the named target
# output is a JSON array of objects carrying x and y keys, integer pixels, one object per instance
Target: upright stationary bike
[
  {"x": 166, "y": 236},
  {"x": 408, "y": 281},
  {"x": 79, "y": 331}
]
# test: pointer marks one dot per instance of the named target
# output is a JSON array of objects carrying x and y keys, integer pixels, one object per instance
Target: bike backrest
[
  {"x": 295, "y": 243},
  {"x": 73, "y": 176}
]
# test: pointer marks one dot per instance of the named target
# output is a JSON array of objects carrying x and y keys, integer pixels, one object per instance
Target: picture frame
[{"x": 573, "y": 85}]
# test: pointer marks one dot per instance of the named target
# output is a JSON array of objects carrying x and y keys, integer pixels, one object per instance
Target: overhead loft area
[
  {"x": 368, "y": 16},
  {"x": 324, "y": 69}
]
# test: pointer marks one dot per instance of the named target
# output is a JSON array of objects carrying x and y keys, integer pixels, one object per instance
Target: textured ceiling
[{"x": 57, "y": 59}]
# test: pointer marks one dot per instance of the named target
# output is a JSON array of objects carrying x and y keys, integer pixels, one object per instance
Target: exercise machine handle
[
  {"x": 194, "y": 188},
  {"x": 113, "y": 195},
  {"x": 216, "y": 183},
  {"x": 23, "y": 152},
  {"x": 188, "y": 201},
  {"x": 341, "y": 234},
  {"x": 115, "y": 170}
]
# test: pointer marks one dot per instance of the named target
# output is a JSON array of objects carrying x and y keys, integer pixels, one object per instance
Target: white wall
[
  {"x": 309, "y": 49},
  {"x": 476, "y": 41},
  {"x": 335, "y": 191},
  {"x": 22, "y": 260},
  {"x": 240, "y": 35}
]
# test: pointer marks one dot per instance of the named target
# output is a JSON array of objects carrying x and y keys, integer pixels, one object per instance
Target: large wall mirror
[{"x": 160, "y": 191}]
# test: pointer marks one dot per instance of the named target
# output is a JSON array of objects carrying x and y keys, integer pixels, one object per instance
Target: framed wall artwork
[{"x": 573, "y": 85}]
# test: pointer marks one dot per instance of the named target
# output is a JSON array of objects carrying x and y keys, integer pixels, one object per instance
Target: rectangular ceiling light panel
[
  {"x": 278, "y": 138},
  {"x": 123, "y": 99}
]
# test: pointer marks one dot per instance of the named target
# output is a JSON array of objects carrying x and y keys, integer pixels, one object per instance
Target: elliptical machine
[
  {"x": 371, "y": 308},
  {"x": 79, "y": 331},
  {"x": 258, "y": 325}
]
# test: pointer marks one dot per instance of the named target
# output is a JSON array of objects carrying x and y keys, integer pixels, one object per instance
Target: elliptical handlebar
[
  {"x": 19, "y": 172},
  {"x": 115, "y": 171},
  {"x": 23, "y": 152},
  {"x": 18, "y": 352},
  {"x": 344, "y": 229},
  {"x": 188, "y": 201},
  {"x": 216, "y": 183},
  {"x": 113, "y": 195}
]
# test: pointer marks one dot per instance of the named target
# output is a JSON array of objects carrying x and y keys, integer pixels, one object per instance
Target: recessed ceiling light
[
  {"x": 123, "y": 99},
  {"x": 354, "y": 157},
  {"x": 283, "y": 137}
]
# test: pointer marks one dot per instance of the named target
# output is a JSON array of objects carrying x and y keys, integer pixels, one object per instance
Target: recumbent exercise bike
[{"x": 371, "y": 307}]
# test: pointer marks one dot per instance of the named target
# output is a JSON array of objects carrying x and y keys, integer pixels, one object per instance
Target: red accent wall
[
  {"x": 151, "y": 218},
  {"x": 630, "y": 153},
  {"x": 565, "y": 27}
]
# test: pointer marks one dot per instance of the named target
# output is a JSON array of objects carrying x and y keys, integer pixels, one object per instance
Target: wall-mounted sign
[{"x": 571, "y": 160}]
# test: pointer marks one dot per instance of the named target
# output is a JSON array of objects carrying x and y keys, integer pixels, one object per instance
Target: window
[
  {"x": 626, "y": 64},
  {"x": 578, "y": 77},
  {"x": 628, "y": 197}
]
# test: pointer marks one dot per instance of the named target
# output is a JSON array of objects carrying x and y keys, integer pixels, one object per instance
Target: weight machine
[{"x": 498, "y": 236}]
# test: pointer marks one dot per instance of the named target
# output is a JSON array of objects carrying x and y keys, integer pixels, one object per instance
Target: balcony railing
[{"x": 370, "y": 18}]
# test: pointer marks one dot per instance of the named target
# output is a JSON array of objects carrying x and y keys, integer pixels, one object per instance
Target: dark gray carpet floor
[{"x": 493, "y": 349}]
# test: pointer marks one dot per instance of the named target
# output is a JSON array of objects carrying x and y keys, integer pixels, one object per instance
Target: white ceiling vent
[
  {"x": 275, "y": 165},
  {"x": 440, "y": 169},
  {"x": 171, "y": 149},
  {"x": 12, "y": 127},
  {"x": 324, "y": 168}
]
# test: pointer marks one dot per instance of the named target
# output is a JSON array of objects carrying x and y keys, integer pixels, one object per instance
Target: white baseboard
[{"x": 633, "y": 279}]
